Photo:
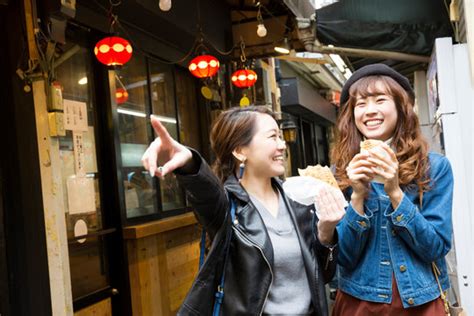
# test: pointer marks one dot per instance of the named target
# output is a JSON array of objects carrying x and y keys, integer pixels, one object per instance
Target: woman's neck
[{"x": 258, "y": 187}]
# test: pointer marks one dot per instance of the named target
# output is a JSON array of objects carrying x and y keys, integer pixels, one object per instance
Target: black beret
[{"x": 375, "y": 70}]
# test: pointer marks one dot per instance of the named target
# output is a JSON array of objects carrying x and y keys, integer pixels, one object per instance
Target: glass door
[{"x": 88, "y": 255}]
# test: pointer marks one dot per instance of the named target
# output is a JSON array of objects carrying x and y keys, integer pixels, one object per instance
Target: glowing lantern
[
  {"x": 113, "y": 51},
  {"x": 121, "y": 95},
  {"x": 204, "y": 66},
  {"x": 244, "y": 78}
]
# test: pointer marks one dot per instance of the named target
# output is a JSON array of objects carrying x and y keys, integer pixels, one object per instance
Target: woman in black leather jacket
[{"x": 280, "y": 254}]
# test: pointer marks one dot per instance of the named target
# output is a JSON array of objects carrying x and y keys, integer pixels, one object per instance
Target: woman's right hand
[
  {"x": 165, "y": 148},
  {"x": 360, "y": 173}
]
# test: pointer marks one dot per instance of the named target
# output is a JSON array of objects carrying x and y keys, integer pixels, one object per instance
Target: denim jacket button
[
  {"x": 394, "y": 233},
  {"x": 403, "y": 268},
  {"x": 411, "y": 301},
  {"x": 362, "y": 223},
  {"x": 399, "y": 218}
]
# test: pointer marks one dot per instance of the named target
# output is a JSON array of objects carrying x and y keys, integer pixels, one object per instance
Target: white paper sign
[
  {"x": 89, "y": 151},
  {"x": 75, "y": 116},
  {"x": 80, "y": 195},
  {"x": 79, "y": 158}
]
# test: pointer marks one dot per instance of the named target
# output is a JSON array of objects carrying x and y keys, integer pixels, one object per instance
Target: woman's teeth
[{"x": 373, "y": 123}]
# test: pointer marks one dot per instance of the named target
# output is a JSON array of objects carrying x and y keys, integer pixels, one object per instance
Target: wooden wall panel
[
  {"x": 162, "y": 268},
  {"x": 102, "y": 308}
]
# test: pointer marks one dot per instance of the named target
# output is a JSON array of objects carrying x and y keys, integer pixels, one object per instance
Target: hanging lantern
[
  {"x": 113, "y": 51},
  {"x": 204, "y": 66},
  {"x": 244, "y": 78},
  {"x": 121, "y": 95}
]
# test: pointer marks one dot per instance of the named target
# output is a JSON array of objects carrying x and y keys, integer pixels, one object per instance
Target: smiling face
[
  {"x": 375, "y": 113},
  {"x": 265, "y": 153}
]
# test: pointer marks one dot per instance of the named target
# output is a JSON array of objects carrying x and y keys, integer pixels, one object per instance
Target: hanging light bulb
[
  {"x": 261, "y": 30},
  {"x": 165, "y": 5}
]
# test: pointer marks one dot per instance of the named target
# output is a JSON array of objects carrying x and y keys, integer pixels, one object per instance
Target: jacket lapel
[{"x": 249, "y": 220}]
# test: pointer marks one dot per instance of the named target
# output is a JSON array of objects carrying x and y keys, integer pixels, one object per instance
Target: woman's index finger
[{"x": 160, "y": 130}]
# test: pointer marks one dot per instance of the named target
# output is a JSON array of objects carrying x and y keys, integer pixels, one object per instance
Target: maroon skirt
[{"x": 347, "y": 305}]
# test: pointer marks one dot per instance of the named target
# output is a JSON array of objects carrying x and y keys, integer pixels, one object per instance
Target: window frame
[{"x": 160, "y": 214}]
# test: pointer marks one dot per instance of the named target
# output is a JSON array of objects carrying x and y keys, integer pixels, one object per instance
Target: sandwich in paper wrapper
[
  {"x": 369, "y": 145},
  {"x": 304, "y": 188}
]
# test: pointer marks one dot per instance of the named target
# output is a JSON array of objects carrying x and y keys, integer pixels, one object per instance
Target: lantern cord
[
  {"x": 198, "y": 42},
  {"x": 120, "y": 81},
  {"x": 287, "y": 29},
  {"x": 243, "y": 58}
]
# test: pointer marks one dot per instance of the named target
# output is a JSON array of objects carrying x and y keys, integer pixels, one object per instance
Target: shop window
[
  {"x": 80, "y": 184},
  {"x": 308, "y": 143},
  {"x": 322, "y": 149},
  {"x": 152, "y": 88},
  {"x": 134, "y": 134},
  {"x": 164, "y": 107},
  {"x": 188, "y": 110}
]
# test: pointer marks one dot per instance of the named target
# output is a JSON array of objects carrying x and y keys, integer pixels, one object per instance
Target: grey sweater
[{"x": 289, "y": 293}]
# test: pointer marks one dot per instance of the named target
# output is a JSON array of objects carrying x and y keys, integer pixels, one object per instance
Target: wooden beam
[
  {"x": 303, "y": 60},
  {"x": 159, "y": 226}
]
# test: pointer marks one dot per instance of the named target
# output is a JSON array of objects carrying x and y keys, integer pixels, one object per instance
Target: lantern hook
[{"x": 243, "y": 58}]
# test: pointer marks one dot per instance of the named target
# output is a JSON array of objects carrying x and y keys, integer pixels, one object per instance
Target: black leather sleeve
[
  {"x": 326, "y": 260},
  {"x": 205, "y": 192}
]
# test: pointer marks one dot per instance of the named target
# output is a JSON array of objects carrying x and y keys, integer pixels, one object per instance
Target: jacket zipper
[
  {"x": 330, "y": 257},
  {"x": 265, "y": 258}
]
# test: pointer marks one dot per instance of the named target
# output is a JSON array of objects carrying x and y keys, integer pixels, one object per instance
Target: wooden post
[{"x": 51, "y": 186}]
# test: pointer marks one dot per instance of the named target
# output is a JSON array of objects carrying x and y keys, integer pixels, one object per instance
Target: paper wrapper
[
  {"x": 371, "y": 145},
  {"x": 319, "y": 172},
  {"x": 304, "y": 190}
]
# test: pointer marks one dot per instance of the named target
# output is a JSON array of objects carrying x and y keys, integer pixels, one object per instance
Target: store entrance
[{"x": 98, "y": 272}]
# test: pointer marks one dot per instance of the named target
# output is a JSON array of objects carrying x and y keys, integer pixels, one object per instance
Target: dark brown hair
[
  {"x": 411, "y": 147},
  {"x": 233, "y": 128}
]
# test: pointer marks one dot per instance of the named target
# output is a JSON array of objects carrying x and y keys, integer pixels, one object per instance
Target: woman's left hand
[
  {"x": 330, "y": 211},
  {"x": 386, "y": 165}
]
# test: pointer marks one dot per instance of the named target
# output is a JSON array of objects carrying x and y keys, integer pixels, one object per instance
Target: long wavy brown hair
[
  {"x": 233, "y": 128},
  {"x": 411, "y": 147}
]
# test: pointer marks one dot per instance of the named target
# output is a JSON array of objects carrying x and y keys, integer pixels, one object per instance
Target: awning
[{"x": 408, "y": 26}]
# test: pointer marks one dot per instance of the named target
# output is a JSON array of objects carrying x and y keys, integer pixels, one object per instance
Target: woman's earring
[{"x": 241, "y": 169}]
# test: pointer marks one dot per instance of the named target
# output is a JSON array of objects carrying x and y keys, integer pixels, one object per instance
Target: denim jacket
[{"x": 401, "y": 242}]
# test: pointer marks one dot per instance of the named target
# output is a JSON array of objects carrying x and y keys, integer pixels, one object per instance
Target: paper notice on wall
[
  {"x": 75, "y": 116},
  {"x": 89, "y": 151},
  {"x": 79, "y": 157},
  {"x": 80, "y": 195}
]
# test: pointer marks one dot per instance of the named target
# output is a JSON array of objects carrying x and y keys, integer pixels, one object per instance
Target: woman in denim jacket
[{"x": 399, "y": 219}]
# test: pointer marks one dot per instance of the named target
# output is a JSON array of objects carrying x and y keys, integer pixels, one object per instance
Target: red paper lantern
[
  {"x": 113, "y": 51},
  {"x": 204, "y": 66},
  {"x": 244, "y": 78},
  {"x": 121, "y": 95}
]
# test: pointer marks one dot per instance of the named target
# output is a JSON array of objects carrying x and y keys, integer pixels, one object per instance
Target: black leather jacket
[{"x": 249, "y": 271}]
